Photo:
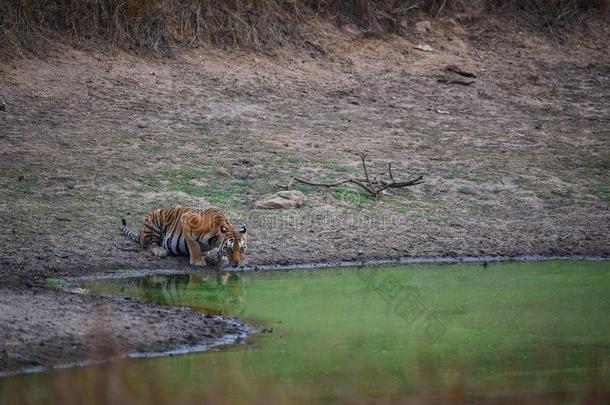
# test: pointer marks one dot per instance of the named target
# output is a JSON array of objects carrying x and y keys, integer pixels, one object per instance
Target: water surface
[{"x": 436, "y": 332}]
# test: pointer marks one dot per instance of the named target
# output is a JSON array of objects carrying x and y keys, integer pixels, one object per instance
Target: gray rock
[
  {"x": 224, "y": 172},
  {"x": 461, "y": 71},
  {"x": 423, "y": 27},
  {"x": 282, "y": 200},
  {"x": 350, "y": 29}
]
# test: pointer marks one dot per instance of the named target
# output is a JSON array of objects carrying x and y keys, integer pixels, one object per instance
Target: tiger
[{"x": 194, "y": 232}]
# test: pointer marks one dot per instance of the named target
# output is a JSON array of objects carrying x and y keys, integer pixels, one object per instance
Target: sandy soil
[{"x": 516, "y": 163}]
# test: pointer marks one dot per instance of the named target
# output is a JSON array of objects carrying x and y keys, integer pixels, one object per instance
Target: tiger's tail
[{"x": 128, "y": 232}]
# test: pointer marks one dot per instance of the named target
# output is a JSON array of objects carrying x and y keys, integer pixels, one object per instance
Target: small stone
[
  {"x": 245, "y": 162},
  {"x": 142, "y": 124},
  {"x": 350, "y": 29},
  {"x": 425, "y": 48},
  {"x": 423, "y": 27},
  {"x": 455, "y": 80},
  {"x": 461, "y": 71},
  {"x": 282, "y": 200},
  {"x": 330, "y": 199},
  {"x": 224, "y": 172}
]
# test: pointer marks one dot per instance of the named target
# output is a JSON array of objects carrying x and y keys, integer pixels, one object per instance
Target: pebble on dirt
[
  {"x": 423, "y": 27},
  {"x": 282, "y": 200},
  {"x": 224, "y": 172},
  {"x": 425, "y": 48},
  {"x": 461, "y": 71}
]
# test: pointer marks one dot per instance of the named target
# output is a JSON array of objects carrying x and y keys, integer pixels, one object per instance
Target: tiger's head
[{"x": 232, "y": 244}]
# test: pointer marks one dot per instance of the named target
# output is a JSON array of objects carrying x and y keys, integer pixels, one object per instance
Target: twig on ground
[{"x": 373, "y": 187}]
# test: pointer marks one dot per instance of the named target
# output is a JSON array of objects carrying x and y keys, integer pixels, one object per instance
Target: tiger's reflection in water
[{"x": 216, "y": 293}]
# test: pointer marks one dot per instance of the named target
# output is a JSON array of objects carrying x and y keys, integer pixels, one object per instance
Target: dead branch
[
  {"x": 366, "y": 173},
  {"x": 373, "y": 187},
  {"x": 390, "y": 171}
]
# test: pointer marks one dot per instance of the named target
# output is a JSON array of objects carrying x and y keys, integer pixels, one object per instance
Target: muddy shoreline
[
  {"x": 45, "y": 328},
  {"x": 69, "y": 282},
  {"x": 237, "y": 333}
]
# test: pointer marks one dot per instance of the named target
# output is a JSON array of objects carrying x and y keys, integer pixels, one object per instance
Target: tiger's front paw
[
  {"x": 160, "y": 252},
  {"x": 197, "y": 262},
  {"x": 214, "y": 260}
]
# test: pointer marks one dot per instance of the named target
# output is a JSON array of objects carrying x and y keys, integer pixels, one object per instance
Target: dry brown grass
[
  {"x": 149, "y": 25},
  {"x": 550, "y": 12},
  {"x": 161, "y": 26}
]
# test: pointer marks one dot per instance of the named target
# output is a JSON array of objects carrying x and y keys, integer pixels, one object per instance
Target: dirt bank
[
  {"x": 42, "y": 328},
  {"x": 515, "y": 163}
]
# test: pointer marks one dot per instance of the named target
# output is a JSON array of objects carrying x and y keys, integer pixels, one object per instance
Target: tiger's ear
[
  {"x": 223, "y": 229},
  {"x": 242, "y": 229}
]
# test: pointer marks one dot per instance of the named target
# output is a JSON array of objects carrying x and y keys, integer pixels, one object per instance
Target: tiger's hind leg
[{"x": 152, "y": 233}]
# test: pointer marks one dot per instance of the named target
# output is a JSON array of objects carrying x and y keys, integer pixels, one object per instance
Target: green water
[{"x": 443, "y": 333}]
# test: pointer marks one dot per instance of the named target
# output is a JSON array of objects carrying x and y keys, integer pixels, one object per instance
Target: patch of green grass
[
  {"x": 453, "y": 173},
  {"x": 150, "y": 148},
  {"x": 355, "y": 197},
  {"x": 53, "y": 282},
  {"x": 465, "y": 190},
  {"x": 328, "y": 177},
  {"x": 229, "y": 193},
  {"x": 603, "y": 164},
  {"x": 432, "y": 201},
  {"x": 398, "y": 145},
  {"x": 336, "y": 167},
  {"x": 303, "y": 188},
  {"x": 531, "y": 137},
  {"x": 404, "y": 202},
  {"x": 412, "y": 126},
  {"x": 147, "y": 182},
  {"x": 598, "y": 164},
  {"x": 88, "y": 169},
  {"x": 292, "y": 159},
  {"x": 203, "y": 128},
  {"x": 401, "y": 209},
  {"x": 480, "y": 208},
  {"x": 189, "y": 189},
  {"x": 27, "y": 184},
  {"x": 185, "y": 173},
  {"x": 213, "y": 196},
  {"x": 527, "y": 185},
  {"x": 602, "y": 192}
]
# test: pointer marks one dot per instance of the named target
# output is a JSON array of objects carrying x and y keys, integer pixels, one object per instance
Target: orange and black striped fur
[{"x": 193, "y": 232}]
